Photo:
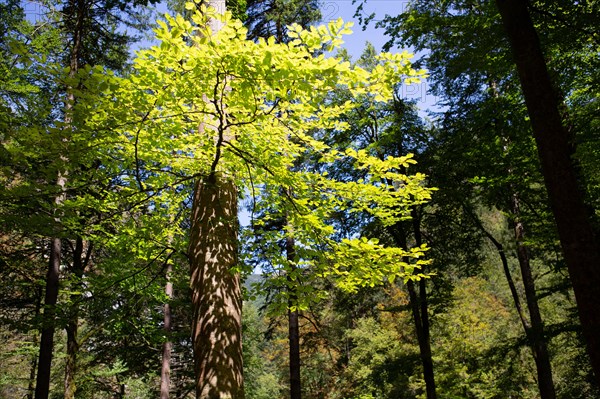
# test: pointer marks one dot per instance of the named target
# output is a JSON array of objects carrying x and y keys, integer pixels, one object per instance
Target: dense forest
[{"x": 221, "y": 202}]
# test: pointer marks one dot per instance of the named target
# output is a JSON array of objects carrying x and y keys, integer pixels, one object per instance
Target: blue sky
[
  {"x": 355, "y": 43},
  {"x": 333, "y": 9}
]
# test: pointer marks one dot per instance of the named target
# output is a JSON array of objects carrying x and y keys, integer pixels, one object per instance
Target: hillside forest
[{"x": 213, "y": 199}]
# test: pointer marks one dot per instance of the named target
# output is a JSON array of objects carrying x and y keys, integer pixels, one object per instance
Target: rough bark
[
  {"x": 578, "y": 239},
  {"x": 216, "y": 288},
  {"x": 216, "y": 293},
  {"x": 165, "y": 372},
  {"x": 293, "y": 329}
]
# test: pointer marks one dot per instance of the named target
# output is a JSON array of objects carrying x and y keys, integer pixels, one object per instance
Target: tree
[
  {"x": 85, "y": 34},
  {"x": 213, "y": 251},
  {"x": 268, "y": 18},
  {"x": 579, "y": 240},
  {"x": 82, "y": 24},
  {"x": 236, "y": 89},
  {"x": 477, "y": 84},
  {"x": 392, "y": 129}
]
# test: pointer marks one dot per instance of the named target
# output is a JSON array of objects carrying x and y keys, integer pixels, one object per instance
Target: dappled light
[
  {"x": 216, "y": 291},
  {"x": 390, "y": 248}
]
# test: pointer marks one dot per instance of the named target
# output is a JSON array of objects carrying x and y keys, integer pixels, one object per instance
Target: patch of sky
[
  {"x": 365, "y": 14},
  {"x": 35, "y": 11}
]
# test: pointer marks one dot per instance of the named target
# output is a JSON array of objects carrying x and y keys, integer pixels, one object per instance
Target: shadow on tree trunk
[{"x": 216, "y": 292}]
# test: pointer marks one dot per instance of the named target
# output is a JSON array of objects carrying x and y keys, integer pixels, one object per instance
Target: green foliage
[
  {"x": 468, "y": 337},
  {"x": 238, "y": 90},
  {"x": 261, "y": 380},
  {"x": 322, "y": 144},
  {"x": 375, "y": 359},
  {"x": 131, "y": 148},
  {"x": 237, "y": 8}
]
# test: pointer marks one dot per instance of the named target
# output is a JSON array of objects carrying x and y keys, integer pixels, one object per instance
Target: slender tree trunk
[
  {"x": 34, "y": 359},
  {"x": 417, "y": 300},
  {"x": 72, "y": 329},
  {"x": 555, "y": 146},
  {"x": 532, "y": 325},
  {"x": 71, "y": 360},
  {"x": 419, "y": 305},
  {"x": 293, "y": 328},
  {"x": 216, "y": 293},
  {"x": 165, "y": 373},
  {"x": 535, "y": 334},
  {"x": 42, "y": 386},
  {"x": 419, "y": 308},
  {"x": 423, "y": 338},
  {"x": 294, "y": 342},
  {"x": 507, "y": 274},
  {"x": 52, "y": 281}
]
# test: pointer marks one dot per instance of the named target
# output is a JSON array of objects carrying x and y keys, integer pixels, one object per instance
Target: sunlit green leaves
[
  {"x": 360, "y": 262},
  {"x": 202, "y": 100}
]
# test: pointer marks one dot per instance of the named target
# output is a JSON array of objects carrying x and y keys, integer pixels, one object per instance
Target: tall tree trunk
[
  {"x": 216, "y": 288},
  {"x": 165, "y": 373},
  {"x": 52, "y": 280},
  {"x": 532, "y": 325},
  {"x": 419, "y": 306},
  {"x": 42, "y": 386},
  {"x": 535, "y": 334},
  {"x": 293, "y": 327},
  {"x": 422, "y": 329},
  {"x": 72, "y": 329},
  {"x": 417, "y": 299},
  {"x": 578, "y": 239},
  {"x": 216, "y": 293}
]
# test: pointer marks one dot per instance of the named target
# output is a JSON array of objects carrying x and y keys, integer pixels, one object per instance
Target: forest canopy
[{"x": 381, "y": 254}]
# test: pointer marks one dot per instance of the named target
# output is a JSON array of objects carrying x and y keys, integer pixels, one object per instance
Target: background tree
[
  {"x": 477, "y": 85},
  {"x": 133, "y": 151},
  {"x": 29, "y": 172},
  {"x": 266, "y": 18},
  {"x": 579, "y": 238}
]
